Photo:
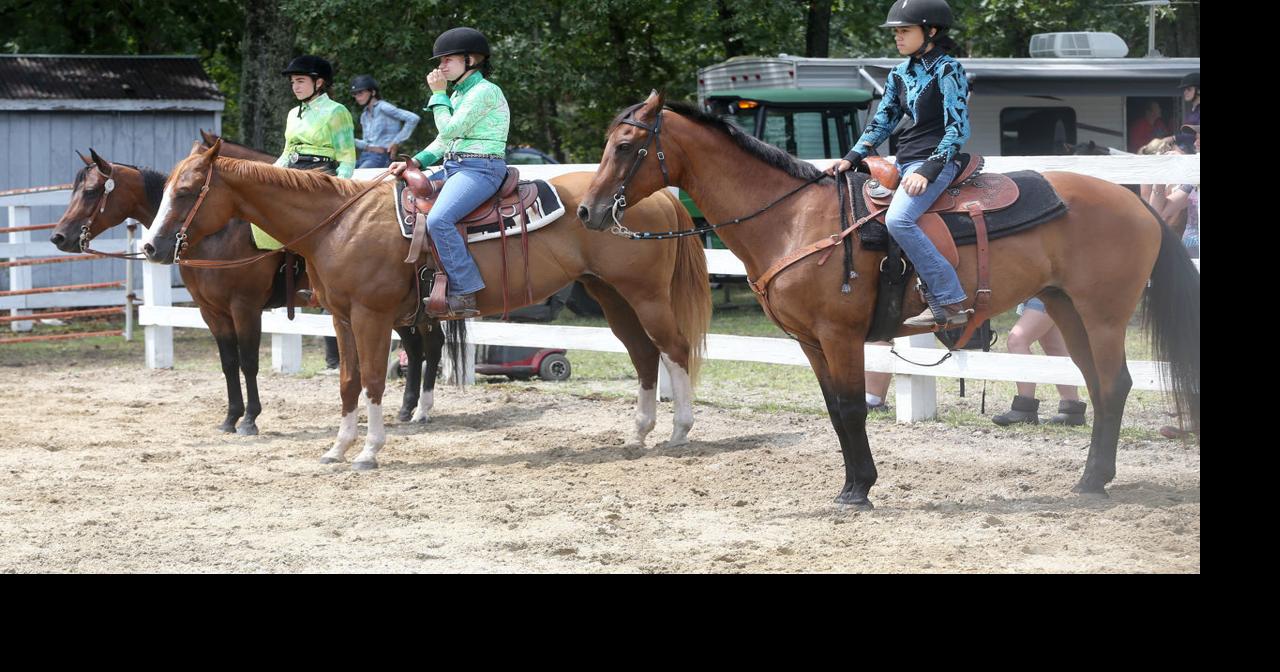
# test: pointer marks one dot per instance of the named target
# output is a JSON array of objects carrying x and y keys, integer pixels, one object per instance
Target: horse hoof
[
  {"x": 405, "y": 416},
  {"x": 229, "y": 427},
  {"x": 368, "y": 465},
  {"x": 858, "y": 503},
  {"x": 329, "y": 460},
  {"x": 247, "y": 429},
  {"x": 1091, "y": 487}
]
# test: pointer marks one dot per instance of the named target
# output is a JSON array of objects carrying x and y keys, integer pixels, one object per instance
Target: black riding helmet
[
  {"x": 314, "y": 66},
  {"x": 464, "y": 41},
  {"x": 364, "y": 83},
  {"x": 924, "y": 13},
  {"x": 1189, "y": 80}
]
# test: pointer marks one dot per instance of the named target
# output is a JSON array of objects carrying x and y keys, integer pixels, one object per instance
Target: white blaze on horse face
[
  {"x": 682, "y": 395},
  {"x": 166, "y": 204}
]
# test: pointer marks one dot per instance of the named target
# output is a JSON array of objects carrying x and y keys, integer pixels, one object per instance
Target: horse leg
[
  {"x": 839, "y": 366},
  {"x": 1098, "y": 352},
  {"x": 372, "y": 345},
  {"x": 224, "y": 334},
  {"x": 644, "y": 354},
  {"x": 349, "y": 387},
  {"x": 659, "y": 325},
  {"x": 432, "y": 348},
  {"x": 249, "y": 338},
  {"x": 413, "y": 373}
]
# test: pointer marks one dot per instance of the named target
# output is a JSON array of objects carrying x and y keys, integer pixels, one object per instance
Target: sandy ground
[{"x": 112, "y": 468}]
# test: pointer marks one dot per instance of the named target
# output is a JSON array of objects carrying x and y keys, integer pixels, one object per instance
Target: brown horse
[
  {"x": 656, "y": 299},
  {"x": 1090, "y": 266},
  {"x": 231, "y": 301}
]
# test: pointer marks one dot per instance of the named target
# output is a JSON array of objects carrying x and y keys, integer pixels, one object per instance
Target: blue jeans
[
  {"x": 373, "y": 160},
  {"x": 934, "y": 269},
  {"x": 468, "y": 184}
]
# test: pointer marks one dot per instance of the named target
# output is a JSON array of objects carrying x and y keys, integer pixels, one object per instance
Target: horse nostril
[
  {"x": 149, "y": 249},
  {"x": 57, "y": 239},
  {"x": 584, "y": 213}
]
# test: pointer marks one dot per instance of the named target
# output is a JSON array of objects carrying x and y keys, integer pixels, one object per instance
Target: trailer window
[
  {"x": 1035, "y": 131},
  {"x": 809, "y": 134}
]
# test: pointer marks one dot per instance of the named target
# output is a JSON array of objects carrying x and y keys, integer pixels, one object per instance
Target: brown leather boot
[
  {"x": 463, "y": 306},
  {"x": 955, "y": 314}
]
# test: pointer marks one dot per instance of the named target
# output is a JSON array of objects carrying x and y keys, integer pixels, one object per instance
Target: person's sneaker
[
  {"x": 330, "y": 371},
  {"x": 955, "y": 315},
  {"x": 882, "y": 407}
]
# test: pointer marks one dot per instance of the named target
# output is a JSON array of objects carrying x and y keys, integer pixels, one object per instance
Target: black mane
[{"x": 770, "y": 155}]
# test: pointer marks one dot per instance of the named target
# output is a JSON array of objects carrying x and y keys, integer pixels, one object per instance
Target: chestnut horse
[
  {"x": 1090, "y": 266},
  {"x": 656, "y": 299}
]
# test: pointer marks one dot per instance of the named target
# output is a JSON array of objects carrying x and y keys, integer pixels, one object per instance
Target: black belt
[{"x": 309, "y": 158}]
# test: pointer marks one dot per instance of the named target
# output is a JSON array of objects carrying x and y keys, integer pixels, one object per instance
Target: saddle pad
[
  {"x": 545, "y": 210},
  {"x": 1037, "y": 203},
  {"x": 262, "y": 241}
]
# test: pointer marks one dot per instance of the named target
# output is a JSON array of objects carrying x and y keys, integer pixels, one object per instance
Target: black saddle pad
[{"x": 1037, "y": 203}]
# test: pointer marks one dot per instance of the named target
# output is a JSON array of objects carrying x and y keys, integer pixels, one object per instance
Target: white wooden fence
[{"x": 916, "y": 385}]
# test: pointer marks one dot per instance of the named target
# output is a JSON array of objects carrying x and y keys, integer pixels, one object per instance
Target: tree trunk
[
  {"x": 265, "y": 98},
  {"x": 728, "y": 33},
  {"x": 817, "y": 34}
]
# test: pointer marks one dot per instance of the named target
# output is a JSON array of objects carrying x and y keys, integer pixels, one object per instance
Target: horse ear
[
  {"x": 103, "y": 164},
  {"x": 209, "y": 138},
  {"x": 87, "y": 161},
  {"x": 214, "y": 149},
  {"x": 652, "y": 104}
]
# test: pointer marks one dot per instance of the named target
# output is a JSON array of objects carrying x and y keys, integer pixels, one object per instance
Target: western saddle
[{"x": 510, "y": 202}]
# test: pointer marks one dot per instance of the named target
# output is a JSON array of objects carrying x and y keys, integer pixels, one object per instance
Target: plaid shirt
[
  {"x": 384, "y": 124},
  {"x": 475, "y": 119},
  {"x": 321, "y": 127}
]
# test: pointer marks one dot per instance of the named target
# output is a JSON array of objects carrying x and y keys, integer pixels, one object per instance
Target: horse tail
[
  {"x": 691, "y": 290},
  {"x": 456, "y": 347},
  {"x": 1171, "y": 314}
]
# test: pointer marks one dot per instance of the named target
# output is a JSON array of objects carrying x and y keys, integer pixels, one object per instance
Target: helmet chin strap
[{"x": 928, "y": 40}]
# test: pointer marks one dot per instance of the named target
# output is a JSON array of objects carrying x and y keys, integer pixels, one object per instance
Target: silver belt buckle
[{"x": 293, "y": 157}]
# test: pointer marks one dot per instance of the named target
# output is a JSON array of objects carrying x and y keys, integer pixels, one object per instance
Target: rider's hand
[
  {"x": 398, "y": 167},
  {"x": 393, "y": 150},
  {"x": 838, "y": 167},
  {"x": 437, "y": 81},
  {"x": 915, "y": 184}
]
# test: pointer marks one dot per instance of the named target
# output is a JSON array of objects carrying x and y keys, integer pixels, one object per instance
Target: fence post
[
  {"x": 20, "y": 276},
  {"x": 286, "y": 350},
  {"x": 157, "y": 290},
  {"x": 917, "y": 396}
]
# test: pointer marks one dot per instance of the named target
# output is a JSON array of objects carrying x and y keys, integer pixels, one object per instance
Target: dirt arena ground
[{"x": 108, "y": 467}]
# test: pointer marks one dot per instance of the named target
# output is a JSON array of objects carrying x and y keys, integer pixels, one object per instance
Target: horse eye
[{"x": 624, "y": 147}]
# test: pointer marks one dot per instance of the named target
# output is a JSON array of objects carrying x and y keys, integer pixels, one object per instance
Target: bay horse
[
  {"x": 230, "y": 301},
  {"x": 656, "y": 299},
  {"x": 1090, "y": 266}
]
